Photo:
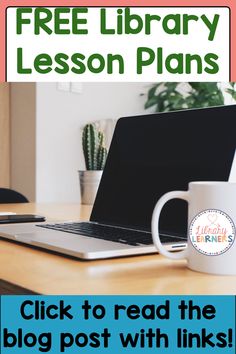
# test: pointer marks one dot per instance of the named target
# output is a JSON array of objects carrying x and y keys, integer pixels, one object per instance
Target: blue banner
[{"x": 109, "y": 324}]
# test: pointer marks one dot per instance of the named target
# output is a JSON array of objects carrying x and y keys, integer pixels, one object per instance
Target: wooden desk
[{"x": 46, "y": 273}]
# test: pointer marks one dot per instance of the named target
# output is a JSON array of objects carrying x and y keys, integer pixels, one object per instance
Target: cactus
[
  {"x": 95, "y": 152},
  {"x": 102, "y": 155}
]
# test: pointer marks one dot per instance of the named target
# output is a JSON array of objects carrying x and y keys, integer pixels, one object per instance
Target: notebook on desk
[{"x": 149, "y": 156}]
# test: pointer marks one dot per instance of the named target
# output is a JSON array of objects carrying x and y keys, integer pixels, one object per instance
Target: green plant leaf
[
  {"x": 152, "y": 90},
  {"x": 151, "y": 102},
  {"x": 199, "y": 94}
]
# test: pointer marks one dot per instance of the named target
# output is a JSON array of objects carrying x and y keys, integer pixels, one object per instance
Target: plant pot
[{"x": 89, "y": 182}]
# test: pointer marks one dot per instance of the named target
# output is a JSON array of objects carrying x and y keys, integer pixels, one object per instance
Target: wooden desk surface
[{"x": 47, "y": 273}]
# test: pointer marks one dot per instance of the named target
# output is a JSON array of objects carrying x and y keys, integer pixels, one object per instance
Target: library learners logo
[{"x": 212, "y": 232}]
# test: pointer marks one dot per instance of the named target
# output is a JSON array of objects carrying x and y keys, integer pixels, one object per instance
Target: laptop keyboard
[{"x": 109, "y": 233}]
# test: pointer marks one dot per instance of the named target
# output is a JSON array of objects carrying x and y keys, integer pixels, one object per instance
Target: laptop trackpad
[
  {"x": 57, "y": 239},
  {"x": 45, "y": 237},
  {"x": 24, "y": 237},
  {"x": 66, "y": 241}
]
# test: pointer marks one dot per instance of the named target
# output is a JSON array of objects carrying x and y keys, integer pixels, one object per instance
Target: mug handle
[{"x": 155, "y": 224}]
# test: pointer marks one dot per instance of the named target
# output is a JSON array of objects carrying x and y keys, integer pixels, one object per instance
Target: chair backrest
[{"x": 11, "y": 196}]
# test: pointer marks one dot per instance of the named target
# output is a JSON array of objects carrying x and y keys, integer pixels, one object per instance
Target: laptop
[{"x": 149, "y": 156}]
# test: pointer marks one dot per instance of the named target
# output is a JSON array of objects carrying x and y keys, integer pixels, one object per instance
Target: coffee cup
[{"x": 211, "y": 246}]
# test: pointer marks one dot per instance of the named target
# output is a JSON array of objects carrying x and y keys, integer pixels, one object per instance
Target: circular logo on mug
[{"x": 212, "y": 232}]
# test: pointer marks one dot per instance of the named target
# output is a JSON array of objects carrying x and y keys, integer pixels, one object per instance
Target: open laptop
[{"x": 149, "y": 156}]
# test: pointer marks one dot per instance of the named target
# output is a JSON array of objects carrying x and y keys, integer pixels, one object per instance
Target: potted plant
[
  {"x": 172, "y": 96},
  {"x": 95, "y": 154}
]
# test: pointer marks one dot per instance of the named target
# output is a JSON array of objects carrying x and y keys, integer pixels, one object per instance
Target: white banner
[{"x": 121, "y": 44}]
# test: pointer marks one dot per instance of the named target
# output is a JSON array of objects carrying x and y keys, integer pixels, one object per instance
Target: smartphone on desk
[{"x": 10, "y": 219}]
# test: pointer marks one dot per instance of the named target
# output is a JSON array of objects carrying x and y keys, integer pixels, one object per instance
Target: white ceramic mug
[{"x": 211, "y": 231}]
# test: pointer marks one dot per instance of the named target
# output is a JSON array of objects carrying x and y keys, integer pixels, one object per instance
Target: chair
[{"x": 11, "y": 196}]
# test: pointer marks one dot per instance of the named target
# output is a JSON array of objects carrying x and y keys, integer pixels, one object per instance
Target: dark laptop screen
[{"x": 154, "y": 154}]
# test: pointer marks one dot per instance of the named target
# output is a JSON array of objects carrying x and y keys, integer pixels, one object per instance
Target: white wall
[{"x": 59, "y": 119}]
